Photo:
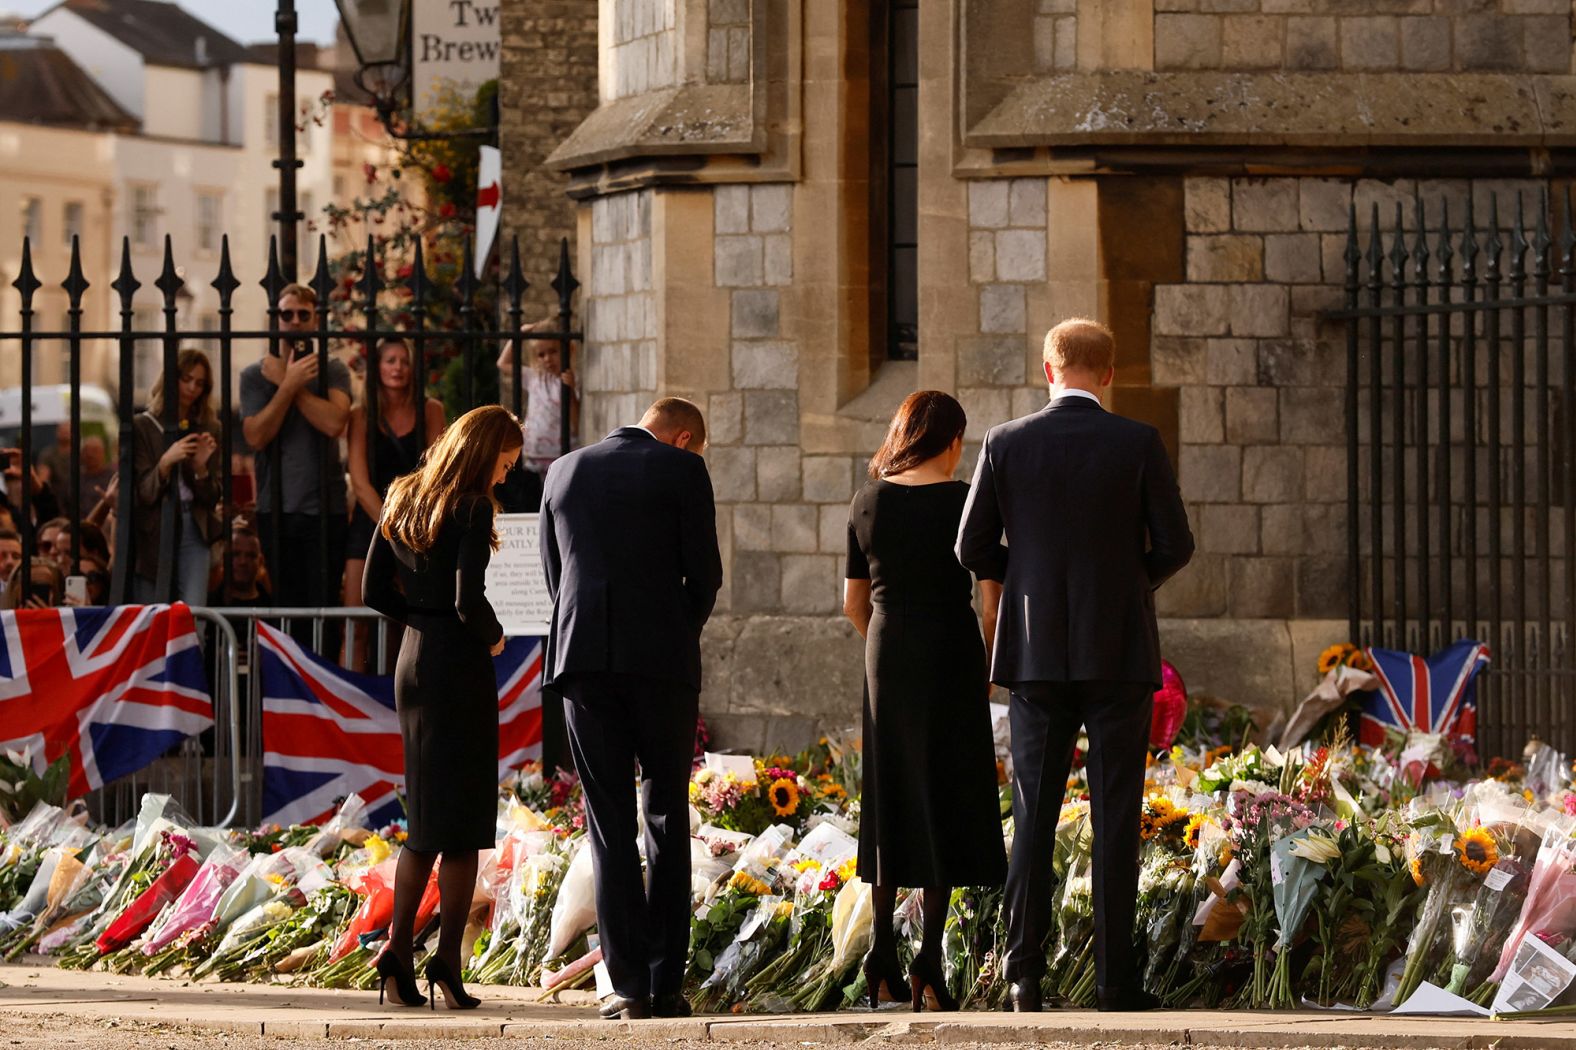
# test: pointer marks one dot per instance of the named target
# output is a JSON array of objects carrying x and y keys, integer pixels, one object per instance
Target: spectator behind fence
[
  {"x": 279, "y": 403},
  {"x": 92, "y": 543},
  {"x": 54, "y": 462},
  {"x": 10, "y": 552},
  {"x": 96, "y": 472},
  {"x": 191, "y": 463},
  {"x": 42, "y": 506},
  {"x": 544, "y": 379},
  {"x": 47, "y": 588},
  {"x": 403, "y": 435},
  {"x": 49, "y": 535},
  {"x": 248, "y": 580},
  {"x": 95, "y": 572}
]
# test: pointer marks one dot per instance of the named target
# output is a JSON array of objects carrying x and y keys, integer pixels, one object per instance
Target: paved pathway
[{"x": 38, "y": 990}]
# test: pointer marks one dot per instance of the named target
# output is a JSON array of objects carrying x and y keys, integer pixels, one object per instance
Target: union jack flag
[
  {"x": 1436, "y": 695},
  {"x": 328, "y": 731},
  {"x": 114, "y": 688}
]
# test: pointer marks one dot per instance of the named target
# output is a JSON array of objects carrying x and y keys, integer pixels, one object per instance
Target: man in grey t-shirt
[{"x": 280, "y": 405}]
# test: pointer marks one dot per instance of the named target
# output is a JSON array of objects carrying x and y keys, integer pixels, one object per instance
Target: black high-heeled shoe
[
  {"x": 454, "y": 994},
  {"x": 928, "y": 985},
  {"x": 879, "y": 970},
  {"x": 406, "y": 992}
]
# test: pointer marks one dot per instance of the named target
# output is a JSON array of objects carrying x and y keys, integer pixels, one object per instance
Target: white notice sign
[
  {"x": 516, "y": 585},
  {"x": 454, "y": 50}
]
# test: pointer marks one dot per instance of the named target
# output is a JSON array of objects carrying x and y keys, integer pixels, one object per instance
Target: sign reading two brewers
[
  {"x": 454, "y": 50},
  {"x": 516, "y": 584}
]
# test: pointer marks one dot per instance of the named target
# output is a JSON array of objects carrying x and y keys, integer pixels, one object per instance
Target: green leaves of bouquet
[{"x": 21, "y": 788}]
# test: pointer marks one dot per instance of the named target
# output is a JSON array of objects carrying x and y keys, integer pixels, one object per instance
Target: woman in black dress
[
  {"x": 930, "y": 815},
  {"x": 427, "y": 571}
]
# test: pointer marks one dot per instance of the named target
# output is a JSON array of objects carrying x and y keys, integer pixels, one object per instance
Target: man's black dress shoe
[
  {"x": 622, "y": 1008},
  {"x": 1024, "y": 996},
  {"x": 671, "y": 1004},
  {"x": 1126, "y": 1000}
]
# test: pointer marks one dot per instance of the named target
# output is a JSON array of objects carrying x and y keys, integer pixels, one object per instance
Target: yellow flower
[
  {"x": 833, "y": 791},
  {"x": 1478, "y": 852},
  {"x": 378, "y": 849},
  {"x": 1528, "y": 795},
  {"x": 1195, "y": 825},
  {"x": 784, "y": 796},
  {"x": 1417, "y": 871},
  {"x": 848, "y": 869},
  {"x": 747, "y": 883},
  {"x": 807, "y": 864}
]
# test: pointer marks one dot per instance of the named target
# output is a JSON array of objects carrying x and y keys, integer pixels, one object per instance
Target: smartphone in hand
[{"x": 76, "y": 590}]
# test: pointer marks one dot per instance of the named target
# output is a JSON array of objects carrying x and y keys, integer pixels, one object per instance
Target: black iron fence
[
  {"x": 1461, "y": 484},
  {"x": 479, "y": 329}
]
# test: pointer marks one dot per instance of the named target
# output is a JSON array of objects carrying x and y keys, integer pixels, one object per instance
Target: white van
[{"x": 51, "y": 407}]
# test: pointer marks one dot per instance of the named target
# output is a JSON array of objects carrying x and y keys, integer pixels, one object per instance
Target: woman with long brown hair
[
  {"x": 427, "y": 570},
  {"x": 191, "y": 465},
  {"x": 929, "y": 815}
]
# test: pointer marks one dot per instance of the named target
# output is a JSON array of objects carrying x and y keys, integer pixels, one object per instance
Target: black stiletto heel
[
  {"x": 454, "y": 994},
  {"x": 928, "y": 987},
  {"x": 881, "y": 970},
  {"x": 406, "y": 991}
]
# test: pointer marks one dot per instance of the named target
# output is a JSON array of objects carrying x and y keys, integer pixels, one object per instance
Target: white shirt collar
[
  {"x": 637, "y": 426},
  {"x": 1075, "y": 392}
]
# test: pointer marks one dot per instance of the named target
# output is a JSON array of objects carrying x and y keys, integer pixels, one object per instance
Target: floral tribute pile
[{"x": 1323, "y": 875}]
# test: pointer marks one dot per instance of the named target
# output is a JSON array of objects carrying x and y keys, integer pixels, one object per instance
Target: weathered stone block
[
  {"x": 989, "y": 203},
  {"x": 766, "y": 366},
  {"x": 1229, "y": 257},
  {"x": 1027, "y": 203},
  {"x": 1066, "y": 43},
  {"x": 1057, "y": 7},
  {"x": 990, "y": 361},
  {"x": 1198, "y": 590},
  {"x": 757, "y": 583},
  {"x": 731, "y": 209},
  {"x": 1250, "y": 42},
  {"x": 732, "y": 474},
  {"x": 1207, "y": 205},
  {"x": 1282, "y": 528},
  {"x": 1271, "y": 474},
  {"x": 832, "y": 529},
  {"x": 1199, "y": 417},
  {"x": 771, "y": 417},
  {"x": 1187, "y": 42},
  {"x": 1311, "y": 43},
  {"x": 1370, "y": 43},
  {"x": 1322, "y": 586},
  {"x": 1228, "y": 528},
  {"x": 1312, "y": 415},
  {"x": 728, "y": 12},
  {"x": 1024, "y": 401},
  {"x": 985, "y": 407},
  {"x": 811, "y": 583},
  {"x": 771, "y": 208},
  {"x": 828, "y": 479},
  {"x": 1251, "y": 415},
  {"x": 1301, "y": 363},
  {"x": 779, "y": 259},
  {"x": 1324, "y": 474},
  {"x": 795, "y": 528},
  {"x": 1292, "y": 258},
  {"x": 725, "y": 419},
  {"x": 1044, "y": 44},
  {"x": 1322, "y": 205},
  {"x": 752, "y": 527},
  {"x": 1208, "y": 655},
  {"x": 982, "y": 257},
  {"x": 800, "y": 665},
  {"x": 1546, "y": 43},
  {"x": 1002, "y": 308},
  {"x": 755, "y": 314},
  {"x": 1425, "y": 43},
  {"x": 1264, "y": 205},
  {"x": 1231, "y": 362},
  {"x": 1020, "y": 255},
  {"x": 1490, "y": 41},
  {"x": 1310, "y": 300},
  {"x": 1195, "y": 310},
  {"x": 1263, "y": 587},
  {"x": 739, "y": 262},
  {"x": 1177, "y": 360},
  {"x": 777, "y": 474},
  {"x": 1228, "y": 7},
  {"x": 1210, "y": 473},
  {"x": 1258, "y": 309}
]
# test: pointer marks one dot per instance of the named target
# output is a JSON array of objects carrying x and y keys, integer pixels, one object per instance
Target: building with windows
[{"x": 795, "y": 214}]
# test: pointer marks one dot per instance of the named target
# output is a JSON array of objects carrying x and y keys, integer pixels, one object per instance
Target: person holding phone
[
  {"x": 44, "y": 588},
  {"x": 190, "y": 465}
]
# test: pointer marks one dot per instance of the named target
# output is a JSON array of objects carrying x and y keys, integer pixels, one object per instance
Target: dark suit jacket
[
  {"x": 629, "y": 543},
  {"x": 1093, "y": 523}
]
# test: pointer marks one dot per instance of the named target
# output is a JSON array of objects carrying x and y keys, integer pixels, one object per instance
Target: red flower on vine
[
  {"x": 447, "y": 211},
  {"x": 441, "y": 173}
]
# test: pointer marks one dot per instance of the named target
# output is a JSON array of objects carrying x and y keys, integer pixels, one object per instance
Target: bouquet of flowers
[{"x": 760, "y": 935}]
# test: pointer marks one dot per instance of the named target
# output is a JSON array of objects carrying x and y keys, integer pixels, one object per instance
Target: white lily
[{"x": 1321, "y": 849}]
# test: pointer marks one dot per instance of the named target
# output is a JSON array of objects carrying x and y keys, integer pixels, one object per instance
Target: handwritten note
[{"x": 516, "y": 585}]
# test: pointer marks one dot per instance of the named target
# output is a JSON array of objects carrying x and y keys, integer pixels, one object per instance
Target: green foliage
[{"x": 21, "y": 788}]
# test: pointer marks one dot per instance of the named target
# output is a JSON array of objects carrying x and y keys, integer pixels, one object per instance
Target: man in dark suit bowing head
[
  {"x": 1077, "y": 511},
  {"x": 629, "y": 544}
]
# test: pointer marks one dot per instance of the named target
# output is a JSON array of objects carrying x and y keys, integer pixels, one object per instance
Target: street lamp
[{"x": 379, "y": 32}]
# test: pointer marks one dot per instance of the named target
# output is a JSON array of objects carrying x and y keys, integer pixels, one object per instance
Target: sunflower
[
  {"x": 1334, "y": 656},
  {"x": 784, "y": 796},
  {"x": 1417, "y": 871},
  {"x": 1478, "y": 852},
  {"x": 1358, "y": 660},
  {"x": 1147, "y": 828},
  {"x": 1195, "y": 825}
]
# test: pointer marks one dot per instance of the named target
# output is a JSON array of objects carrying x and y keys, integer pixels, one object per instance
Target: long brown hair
[
  {"x": 459, "y": 465},
  {"x": 374, "y": 376},
  {"x": 925, "y": 425},
  {"x": 203, "y": 406}
]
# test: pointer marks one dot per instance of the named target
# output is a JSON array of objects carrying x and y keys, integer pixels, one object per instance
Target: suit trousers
[
  {"x": 1046, "y": 718},
  {"x": 615, "y": 721}
]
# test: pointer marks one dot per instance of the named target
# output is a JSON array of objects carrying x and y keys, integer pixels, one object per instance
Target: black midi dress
[
  {"x": 445, "y": 688},
  {"x": 929, "y": 813}
]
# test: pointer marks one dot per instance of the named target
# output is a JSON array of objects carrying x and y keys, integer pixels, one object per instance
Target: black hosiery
[
  {"x": 883, "y": 899},
  {"x": 934, "y": 905},
  {"x": 411, "y": 873},
  {"x": 456, "y": 890}
]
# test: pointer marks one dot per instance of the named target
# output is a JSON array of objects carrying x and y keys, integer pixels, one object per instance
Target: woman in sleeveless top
[
  {"x": 427, "y": 571},
  {"x": 401, "y": 437}
]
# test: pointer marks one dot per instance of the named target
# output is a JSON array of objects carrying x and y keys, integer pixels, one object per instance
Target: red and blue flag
[{"x": 1432, "y": 695}]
